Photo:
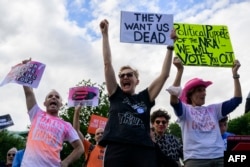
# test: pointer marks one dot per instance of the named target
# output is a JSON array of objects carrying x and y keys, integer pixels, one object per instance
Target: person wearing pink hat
[{"x": 202, "y": 142}]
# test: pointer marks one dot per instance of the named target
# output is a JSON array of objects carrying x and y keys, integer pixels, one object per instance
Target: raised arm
[
  {"x": 28, "y": 92},
  {"x": 156, "y": 86},
  {"x": 177, "y": 82},
  {"x": 110, "y": 79},
  {"x": 76, "y": 123},
  {"x": 236, "y": 76},
  {"x": 30, "y": 97},
  {"x": 75, "y": 154}
]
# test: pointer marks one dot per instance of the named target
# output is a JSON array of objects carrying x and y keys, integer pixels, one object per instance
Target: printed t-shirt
[{"x": 45, "y": 140}]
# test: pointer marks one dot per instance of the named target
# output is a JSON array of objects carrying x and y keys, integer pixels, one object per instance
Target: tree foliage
[
  {"x": 240, "y": 125},
  {"x": 68, "y": 113},
  {"x": 9, "y": 140},
  {"x": 175, "y": 130}
]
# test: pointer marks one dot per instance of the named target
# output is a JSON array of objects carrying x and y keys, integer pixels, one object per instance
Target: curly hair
[{"x": 159, "y": 113}]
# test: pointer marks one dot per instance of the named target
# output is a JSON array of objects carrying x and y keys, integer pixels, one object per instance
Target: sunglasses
[
  {"x": 11, "y": 154},
  {"x": 99, "y": 133},
  {"x": 129, "y": 74},
  {"x": 158, "y": 122}
]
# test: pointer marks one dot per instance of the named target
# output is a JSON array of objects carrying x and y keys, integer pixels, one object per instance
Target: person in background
[
  {"x": 18, "y": 158},
  {"x": 48, "y": 133},
  {"x": 247, "y": 104},
  {"x": 9, "y": 157},
  {"x": 168, "y": 143},
  {"x": 161, "y": 159},
  {"x": 19, "y": 155},
  {"x": 223, "y": 123},
  {"x": 93, "y": 153},
  {"x": 127, "y": 132},
  {"x": 202, "y": 143}
]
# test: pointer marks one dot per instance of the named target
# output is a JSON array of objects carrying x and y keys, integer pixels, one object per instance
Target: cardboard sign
[
  {"x": 28, "y": 74},
  {"x": 96, "y": 122},
  {"x": 204, "y": 45},
  {"x": 5, "y": 121},
  {"x": 84, "y": 95},
  {"x": 148, "y": 28}
]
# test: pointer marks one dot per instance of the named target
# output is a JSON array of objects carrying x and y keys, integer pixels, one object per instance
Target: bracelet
[
  {"x": 237, "y": 76},
  {"x": 170, "y": 47}
]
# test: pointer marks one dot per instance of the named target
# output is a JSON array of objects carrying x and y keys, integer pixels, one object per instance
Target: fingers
[
  {"x": 104, "y": 23},
  {"x": 237, "y": 63},
  {"x": 173, "y": 35},
  {"x": 177, "y": 59},
  {"x": 78, "y": 107},
  {"x": 26, "y": 61}
]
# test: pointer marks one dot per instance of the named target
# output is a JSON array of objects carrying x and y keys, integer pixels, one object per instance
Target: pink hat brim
[{"x": 192, "y": 84}]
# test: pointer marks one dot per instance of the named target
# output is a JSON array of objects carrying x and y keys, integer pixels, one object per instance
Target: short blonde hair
[{"x": 129, "y": 67}]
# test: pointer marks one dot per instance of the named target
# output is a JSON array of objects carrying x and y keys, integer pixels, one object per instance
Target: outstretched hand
[
  {"x": 26, "y": 61},
  {"x": 236, "y": 67},
  {"x": 177, "y": 62},
  {"x": 78, "y": 108},
  {"x": 173, "y": 35},
  {"x": 104, "y": 26}
]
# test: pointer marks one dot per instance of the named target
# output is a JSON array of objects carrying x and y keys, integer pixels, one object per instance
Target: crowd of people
[{"x": 134, "y": 135}]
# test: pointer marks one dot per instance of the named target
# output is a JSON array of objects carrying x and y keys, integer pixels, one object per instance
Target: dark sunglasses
[
  {"x": 99, "y": 133},
  {"x": 158, "y": 122},
  {"x": 11, "y": 154},
  {"x": 129, "y": 74}
]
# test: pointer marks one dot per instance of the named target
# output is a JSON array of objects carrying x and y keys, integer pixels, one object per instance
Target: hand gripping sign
[{"x": 28, "y": 74}]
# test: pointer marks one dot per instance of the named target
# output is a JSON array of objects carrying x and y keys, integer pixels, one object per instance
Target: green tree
[
  {"x": 9, "y": 140},
  {"x": 240, "y": 125},
  {"x": 68, "y": 113},
  {"x": 175, "y": 130}
]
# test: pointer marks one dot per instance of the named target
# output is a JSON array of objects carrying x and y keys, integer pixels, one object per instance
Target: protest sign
[
  {"x": 95, "y": 122},
  {"x": 204, "y": 45},
  {"x": 149, "y": 28},
  {"x": 5, "y": 121},
  {"x": 84, "y": 95},
  {"x": 28, "y": 74}
]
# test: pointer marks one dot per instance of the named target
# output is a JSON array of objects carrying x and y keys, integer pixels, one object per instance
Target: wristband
[
  {"x": 237, "y": 76},
  {"x": 170, "y": 47}
]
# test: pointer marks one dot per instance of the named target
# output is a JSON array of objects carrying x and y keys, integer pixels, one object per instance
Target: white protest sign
[
  {"x": 28, "y": 74},
  {"x": 148, "y": 28}
]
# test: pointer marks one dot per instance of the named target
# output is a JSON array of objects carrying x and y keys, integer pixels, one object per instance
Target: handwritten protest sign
[
  {"x": 95, "y": 122},
  {"x": 28, "y": 74},
  {"x": 5, "y": 121},
  {"x": 149, "y": 28},
  {"x": 204, "y": 45},
  {"x": 84, "y": 95}
]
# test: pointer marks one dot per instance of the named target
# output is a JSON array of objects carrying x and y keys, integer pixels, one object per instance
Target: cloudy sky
[{"x": 65, "y": 36}]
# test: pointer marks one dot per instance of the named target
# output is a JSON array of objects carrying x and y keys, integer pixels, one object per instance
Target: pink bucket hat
[{"x": 191, "y": 84}]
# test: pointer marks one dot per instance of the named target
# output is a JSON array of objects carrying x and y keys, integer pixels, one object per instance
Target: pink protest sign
[
  {"x": 84, "y": 95},
  {"x": 28, "y": 74}
]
